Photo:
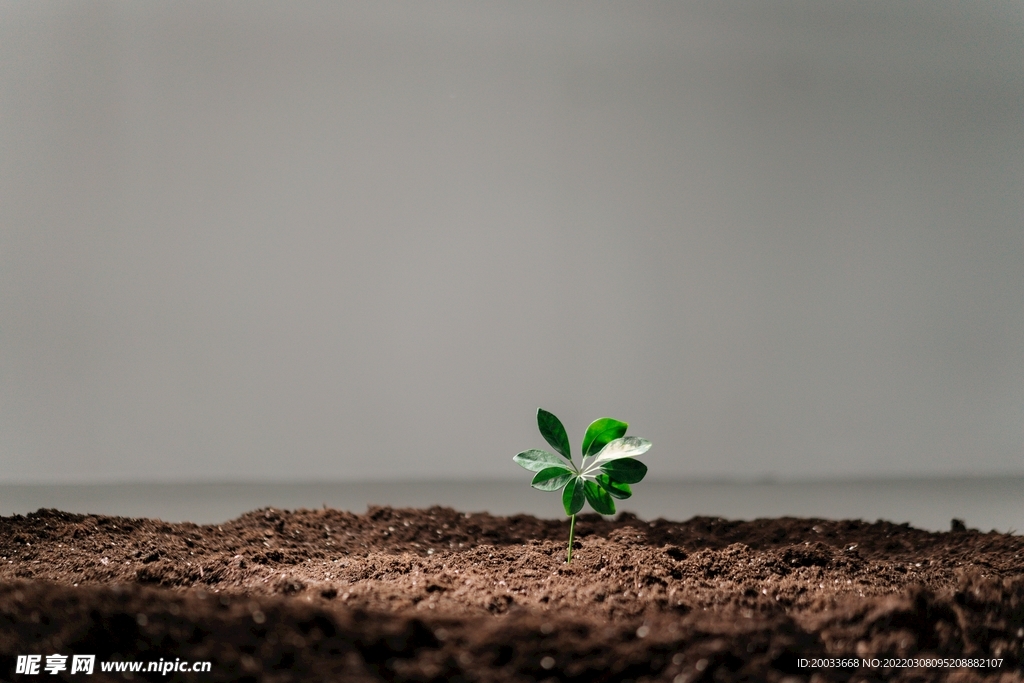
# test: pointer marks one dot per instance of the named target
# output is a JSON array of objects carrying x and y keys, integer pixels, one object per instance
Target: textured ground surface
[{"x": 436, "y": 595}]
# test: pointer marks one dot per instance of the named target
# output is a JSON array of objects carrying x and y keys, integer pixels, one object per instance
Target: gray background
[{"x": 316, "y": 241}]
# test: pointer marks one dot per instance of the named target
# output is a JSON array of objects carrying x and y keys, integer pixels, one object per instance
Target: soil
[{"x": 438, "y": 595}]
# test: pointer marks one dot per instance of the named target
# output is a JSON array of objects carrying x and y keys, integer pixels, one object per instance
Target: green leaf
[
  {"x": 614, "y": 488},
  {"x": 573, "y": 496},
  {"x": 537, "y": 460},
  {"x": 553, "y": 432},
  {"x": 599, "y": 498},
  {"x": 626, "y": 447},
  {"x": 552, "y": 478},
  {"x": 625, "y": 471},
  {"x": 600, "y": 432}
]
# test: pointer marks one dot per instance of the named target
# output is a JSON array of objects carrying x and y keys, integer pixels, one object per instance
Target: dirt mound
[{"x": 437, "y": 595}]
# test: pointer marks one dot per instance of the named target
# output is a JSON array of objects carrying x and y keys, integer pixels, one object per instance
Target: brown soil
[{"x": 437, "y": 595}]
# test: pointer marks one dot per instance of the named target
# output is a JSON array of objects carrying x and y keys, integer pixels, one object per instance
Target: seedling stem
[{"x": 572, "y": 528}]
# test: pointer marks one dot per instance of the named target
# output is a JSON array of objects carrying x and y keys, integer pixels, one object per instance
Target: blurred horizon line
[
  {"x": 698, "y": 479},
  {"x": 927, "y": 502}
]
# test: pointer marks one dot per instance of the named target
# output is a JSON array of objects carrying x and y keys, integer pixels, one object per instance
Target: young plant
[{"x": 606, "y": 466}]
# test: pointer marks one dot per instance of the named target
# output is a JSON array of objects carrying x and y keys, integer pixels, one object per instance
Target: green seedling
[{"x": 606, "y": 470}]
